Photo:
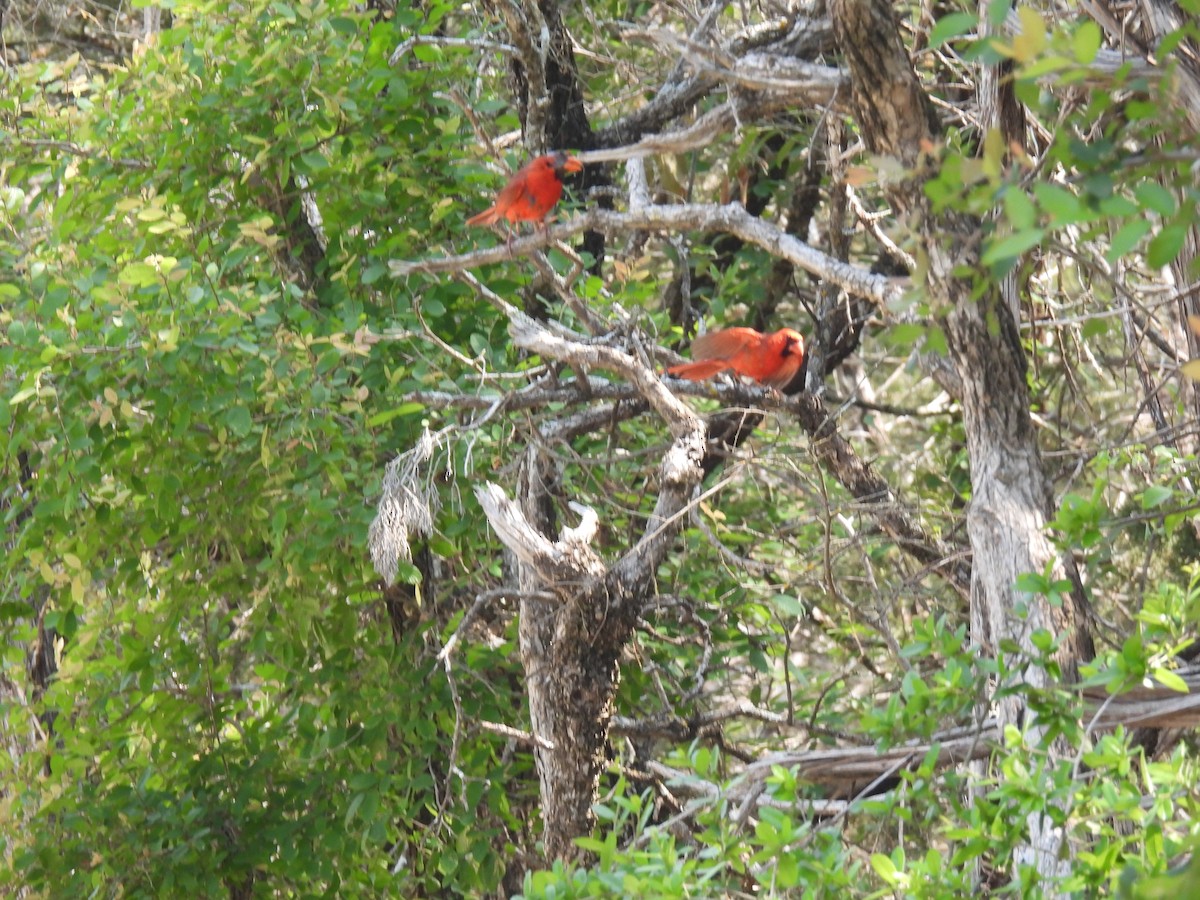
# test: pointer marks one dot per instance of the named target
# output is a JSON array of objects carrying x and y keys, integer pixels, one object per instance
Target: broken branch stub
[{"x": 569, "y": 559}]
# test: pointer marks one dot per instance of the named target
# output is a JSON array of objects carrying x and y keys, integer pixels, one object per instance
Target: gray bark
[
  {"x": 570, "y": 646},
  {"x": 1010, "y": 503}
]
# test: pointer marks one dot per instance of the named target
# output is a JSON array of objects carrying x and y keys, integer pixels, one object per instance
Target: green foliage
[
  {"x": 203, "y": 428},
  {"x": 201, "y": 389}
]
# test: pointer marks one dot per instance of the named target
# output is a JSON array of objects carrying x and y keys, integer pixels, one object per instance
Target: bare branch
[
  {"x": 800, "y": 37},
  {"x": 439, "y": 40},
  {"x": 679, "y": 729},
  {"x": 730, "y": 218},
  {"x": 515, "y": 734},
  {"x": 1150, "y": 705},
  {"x": 818, "y": 91},
  {"x": 838, "y": 456},
  {"x": 555, "y": 562},
  {"x": 481, "y": 601},
  {"x": 692, "y": 785},
  {"x": 805, "y": 82},
  {"x": 532, "y": 336}
]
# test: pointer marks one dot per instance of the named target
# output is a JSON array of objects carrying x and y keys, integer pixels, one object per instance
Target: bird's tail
[
  {"x": 487, "y": 217},
  {"x": 698, "y": 371}
]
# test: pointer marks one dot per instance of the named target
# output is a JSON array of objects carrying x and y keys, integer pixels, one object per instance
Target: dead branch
[
  {"x": 481, "y": 601},
  {"x": 569, "y": 560},
  {"x": 692, "y": 785},
  {"x": 730, "y": 218},
  {"x": 1150, "y": 704},
  {"x": 514, "y": 734},
  {"x": 801, "y": 38},
  {"x": 438, "y": 40},
  {"x": 676, "y": 728},
  {"x": 532, "y": 336},
  {"x": 804, "y": 82},
  {"x": 715, "y": 124}
]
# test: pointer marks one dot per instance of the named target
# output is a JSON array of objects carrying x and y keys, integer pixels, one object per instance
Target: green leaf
[
  {"x": 885, "y": 868},
  {"x": 1127, "y": 238},
  {"x": 905, "y": 334},
  {"x": 1085, "y": 42},
  {"x": 1012, "y": 246},
  {"x": 1156, "y": 495},
  {"x": 1113, "y": 206},
  {"x": 1154, "y": 196},
  {"x": 1019, "y": 209},
  {"x": 374, "y": 272},
  {"x": 139, "y": 274},
  {"x": 1030, "y": 41},
  {"x": 314, "y": 162},
  {"x": 997, "y": 11},
  {"x": 1063, "y": 207},
  {"x": 238, "y": 421},
  {"x": 1033, "y": 583},
  {"x": 788, "y": 605},
  {"x": 355, "y": 803},
  {"x": 951, "y": 26},
  {"x": 22, "y": 395},
  {"x": 935, "y": 341},
  {"x": 404, "y": 409},
  {"x": 1165, "y": 245},
  {"x": 1169, "y": 679}
]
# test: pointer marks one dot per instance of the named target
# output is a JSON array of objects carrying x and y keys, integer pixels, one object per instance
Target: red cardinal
[
  {"x": 770, "y": 359},
  {"x": 532, "y": 192}
]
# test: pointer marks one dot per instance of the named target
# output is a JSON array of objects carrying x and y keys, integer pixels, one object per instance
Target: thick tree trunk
[
  {"x": 577, "y": 614},
  {"x": 1010, "y": 503},
  {"x": 570, "y": 683}
]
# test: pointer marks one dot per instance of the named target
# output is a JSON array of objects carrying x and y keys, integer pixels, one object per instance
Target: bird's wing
[
  {"x": 698, "y": 371},
  {"x": 725, "y": 343},
  {"x": 512, "y": 194}
]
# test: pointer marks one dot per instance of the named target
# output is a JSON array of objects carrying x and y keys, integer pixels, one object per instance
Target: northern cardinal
[
  {"x": 532, "y": 192},
  {"x": 770, "y": 359}
]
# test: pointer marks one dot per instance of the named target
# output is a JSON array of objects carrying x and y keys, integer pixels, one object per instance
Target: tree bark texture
[
  {"x": 549, "y": 92},
  {"x": 1010, "y": 503},
  {"x": 578, "y": 613},
  {"x": 570, "y": 689}
]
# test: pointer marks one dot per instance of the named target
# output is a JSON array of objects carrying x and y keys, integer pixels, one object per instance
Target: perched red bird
[
  {"x": 770, "y": 359},
  {"x": 532, "y": 192}
]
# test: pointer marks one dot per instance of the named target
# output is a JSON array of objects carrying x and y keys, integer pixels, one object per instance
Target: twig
[
  {"x": 76, "y": 150},
  {"x": 714, "y": 124},
  {"x": 762, "y": 71},
  {"x": 515, "y": 734},
  {"x": 481, "y": 600},
  {"x": 440, "y": 41},
  {"x": 871, "y": 223}
]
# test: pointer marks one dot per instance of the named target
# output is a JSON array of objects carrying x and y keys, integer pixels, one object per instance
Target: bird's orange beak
[{"x": 572, "y": 165}]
